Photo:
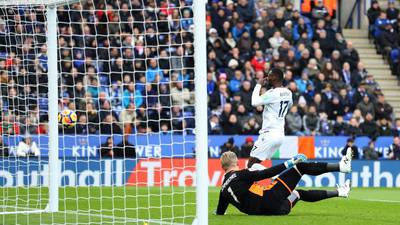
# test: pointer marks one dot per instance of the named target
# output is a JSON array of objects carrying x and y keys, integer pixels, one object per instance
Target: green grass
[
  {"x": 365, "y": 206},
  {"x": 93, "y": 205}
]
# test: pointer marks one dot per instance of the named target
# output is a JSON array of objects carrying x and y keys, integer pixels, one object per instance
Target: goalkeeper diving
[{"x": 240, "y": 189}]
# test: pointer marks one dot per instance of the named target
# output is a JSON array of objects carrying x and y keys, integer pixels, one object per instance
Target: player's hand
[{"x": 262, "y": 81}]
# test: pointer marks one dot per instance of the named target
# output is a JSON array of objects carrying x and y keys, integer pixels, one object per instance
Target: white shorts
[{"x": 267, "y": 144}]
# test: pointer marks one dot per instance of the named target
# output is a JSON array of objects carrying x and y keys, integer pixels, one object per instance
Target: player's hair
[
  {"x": 278, "y": 72},
  {"x": 228, "y": 159}
]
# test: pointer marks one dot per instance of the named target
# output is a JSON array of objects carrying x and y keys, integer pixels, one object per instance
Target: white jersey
[{"x": 276, "y": 102}]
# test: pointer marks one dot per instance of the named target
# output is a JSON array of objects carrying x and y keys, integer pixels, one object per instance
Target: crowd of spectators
[
  {"x": 127, "y": 67},
  {"x": 333, "y": 93},
  {"x": 384, "y": 27}
]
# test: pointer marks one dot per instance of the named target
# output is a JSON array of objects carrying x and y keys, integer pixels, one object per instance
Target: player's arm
[
  {"x": 257, "y": 175},
  {"x": 257, "y": 100},
  {"x": 222, "y": 205}
]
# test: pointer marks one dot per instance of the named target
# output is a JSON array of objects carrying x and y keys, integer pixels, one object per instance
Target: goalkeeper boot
[
  {"x": 345, "y": 162},
  {"x": 344, "y": 190}
]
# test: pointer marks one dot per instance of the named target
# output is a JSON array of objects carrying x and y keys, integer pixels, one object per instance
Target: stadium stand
[
  {"x": 245, "y": 39},
  {"x": 333, "y": 92}
]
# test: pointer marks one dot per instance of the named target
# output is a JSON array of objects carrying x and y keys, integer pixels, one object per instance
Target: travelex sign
[
  {"x": 182, "y": 146},
  {"x": 173, "y": 172}
]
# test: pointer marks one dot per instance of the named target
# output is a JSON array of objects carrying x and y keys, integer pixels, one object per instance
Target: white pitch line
[
  {"x": 377, "y": 200},
  {"x": 123, "y": 218},
  {"x": 117, "y": 219}
]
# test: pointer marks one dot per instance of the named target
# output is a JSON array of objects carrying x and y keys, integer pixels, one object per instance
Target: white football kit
[{"x": 276, "y": 102}]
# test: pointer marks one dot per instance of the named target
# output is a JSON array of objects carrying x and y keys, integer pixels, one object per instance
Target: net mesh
[{"x": 126, "y": 70}]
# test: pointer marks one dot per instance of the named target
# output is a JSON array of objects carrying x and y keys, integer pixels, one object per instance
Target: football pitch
[{"x": 175, "y": 206}]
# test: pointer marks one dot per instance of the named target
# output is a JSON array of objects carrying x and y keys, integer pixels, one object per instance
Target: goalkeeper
[{"x": 239, "y": 187}]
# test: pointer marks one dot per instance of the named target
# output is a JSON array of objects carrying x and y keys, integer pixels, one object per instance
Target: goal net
[{"x": 127, "y": 69}]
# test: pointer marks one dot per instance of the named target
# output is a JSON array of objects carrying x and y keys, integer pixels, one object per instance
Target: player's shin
[
  {"x": 317, "y": 168},
  {"x": 316, "y": 195}
]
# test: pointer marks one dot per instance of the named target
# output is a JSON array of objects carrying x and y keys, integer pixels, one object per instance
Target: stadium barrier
[
  {"x": 177, "y": 146},
  {"x": 170, "y": 172}
]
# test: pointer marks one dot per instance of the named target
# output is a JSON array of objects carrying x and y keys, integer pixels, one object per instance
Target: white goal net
[{"x": 126, "y": 69}]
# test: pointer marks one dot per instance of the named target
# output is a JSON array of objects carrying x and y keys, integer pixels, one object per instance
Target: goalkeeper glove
[{"x": 293, "y": 161}]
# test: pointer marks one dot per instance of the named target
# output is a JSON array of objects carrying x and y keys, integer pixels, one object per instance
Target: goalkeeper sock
[
  {"x": 317, "y": 168},
  {"x": 316, "y": 195}
]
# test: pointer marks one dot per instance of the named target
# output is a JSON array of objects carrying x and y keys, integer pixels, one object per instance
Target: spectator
[
  {"x": 27, "y": 147},
  {"x": 311, "y": 122},
  {"x": 354, "y": 148},
  {"x": 153, "y": 71},
  {"x": 302, "y": 28},
  {"x": 246, "y": 147},
  {"x": 384, "y": 128},
  {"x": 258, "y": 61},
  {"x": 394, "y": 149},
  {"x": 366, "y": 106},
  {"x": 124, "y": 149},
  {"x": 251, "y": 126},
  {"x": 219, "y": 98},
  {"x": 276, "y": 40},
  {"x": 106, "y": 149},
  {"x": 4, "y": 150},
  {"x": 319, "y": 11},
  {"x": 350, "y": 55},
  {"x": 303, "y": 82},
  {"x": 236, "y": 82},
  {"x": 340, "y": 127},
  {"x": 245, "y": 9},
  {"x": 131, "y": 95},
  {"x": 335, "y": 108},
  {"x": 358, "y": 74},
  {"x": 181, "y": 96},
  {"x": 373, "y": 13},
  {"x": 239, "y": 29},
  {"x": 353, "y": 128},
  {"x": 128, "y": 115},
  {"x": 388, "y": 40},
  {"x": 232, "y": 126},
  {"x": 369, "y": 127},
  {"x": 326, "y": 127},
  {"x": 380, "y": 24},
  {"x": 396, "y": 129},
  {"x": 245, "y": 95},
  {"x": 230, "y": 146},
  {"x": 214, "y": 126},
  {"x": 109, "y": 125},
  {"x": 392, "y": 12},
  {"x": 369, "y": 151},
  {"x": 241, "y": 115},
  {"x": 294, "y": 122},
  {"x": 383, "y": 109}
]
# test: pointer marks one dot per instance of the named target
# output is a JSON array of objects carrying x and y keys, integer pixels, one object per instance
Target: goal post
[
  {"x": 201, "y": 111},
  {"x": 53, "y": 174},
  {"x": 52, "y": 74}
]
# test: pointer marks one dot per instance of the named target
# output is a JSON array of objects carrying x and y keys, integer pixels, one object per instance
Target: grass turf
[{"x": 146, "y": 206}]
